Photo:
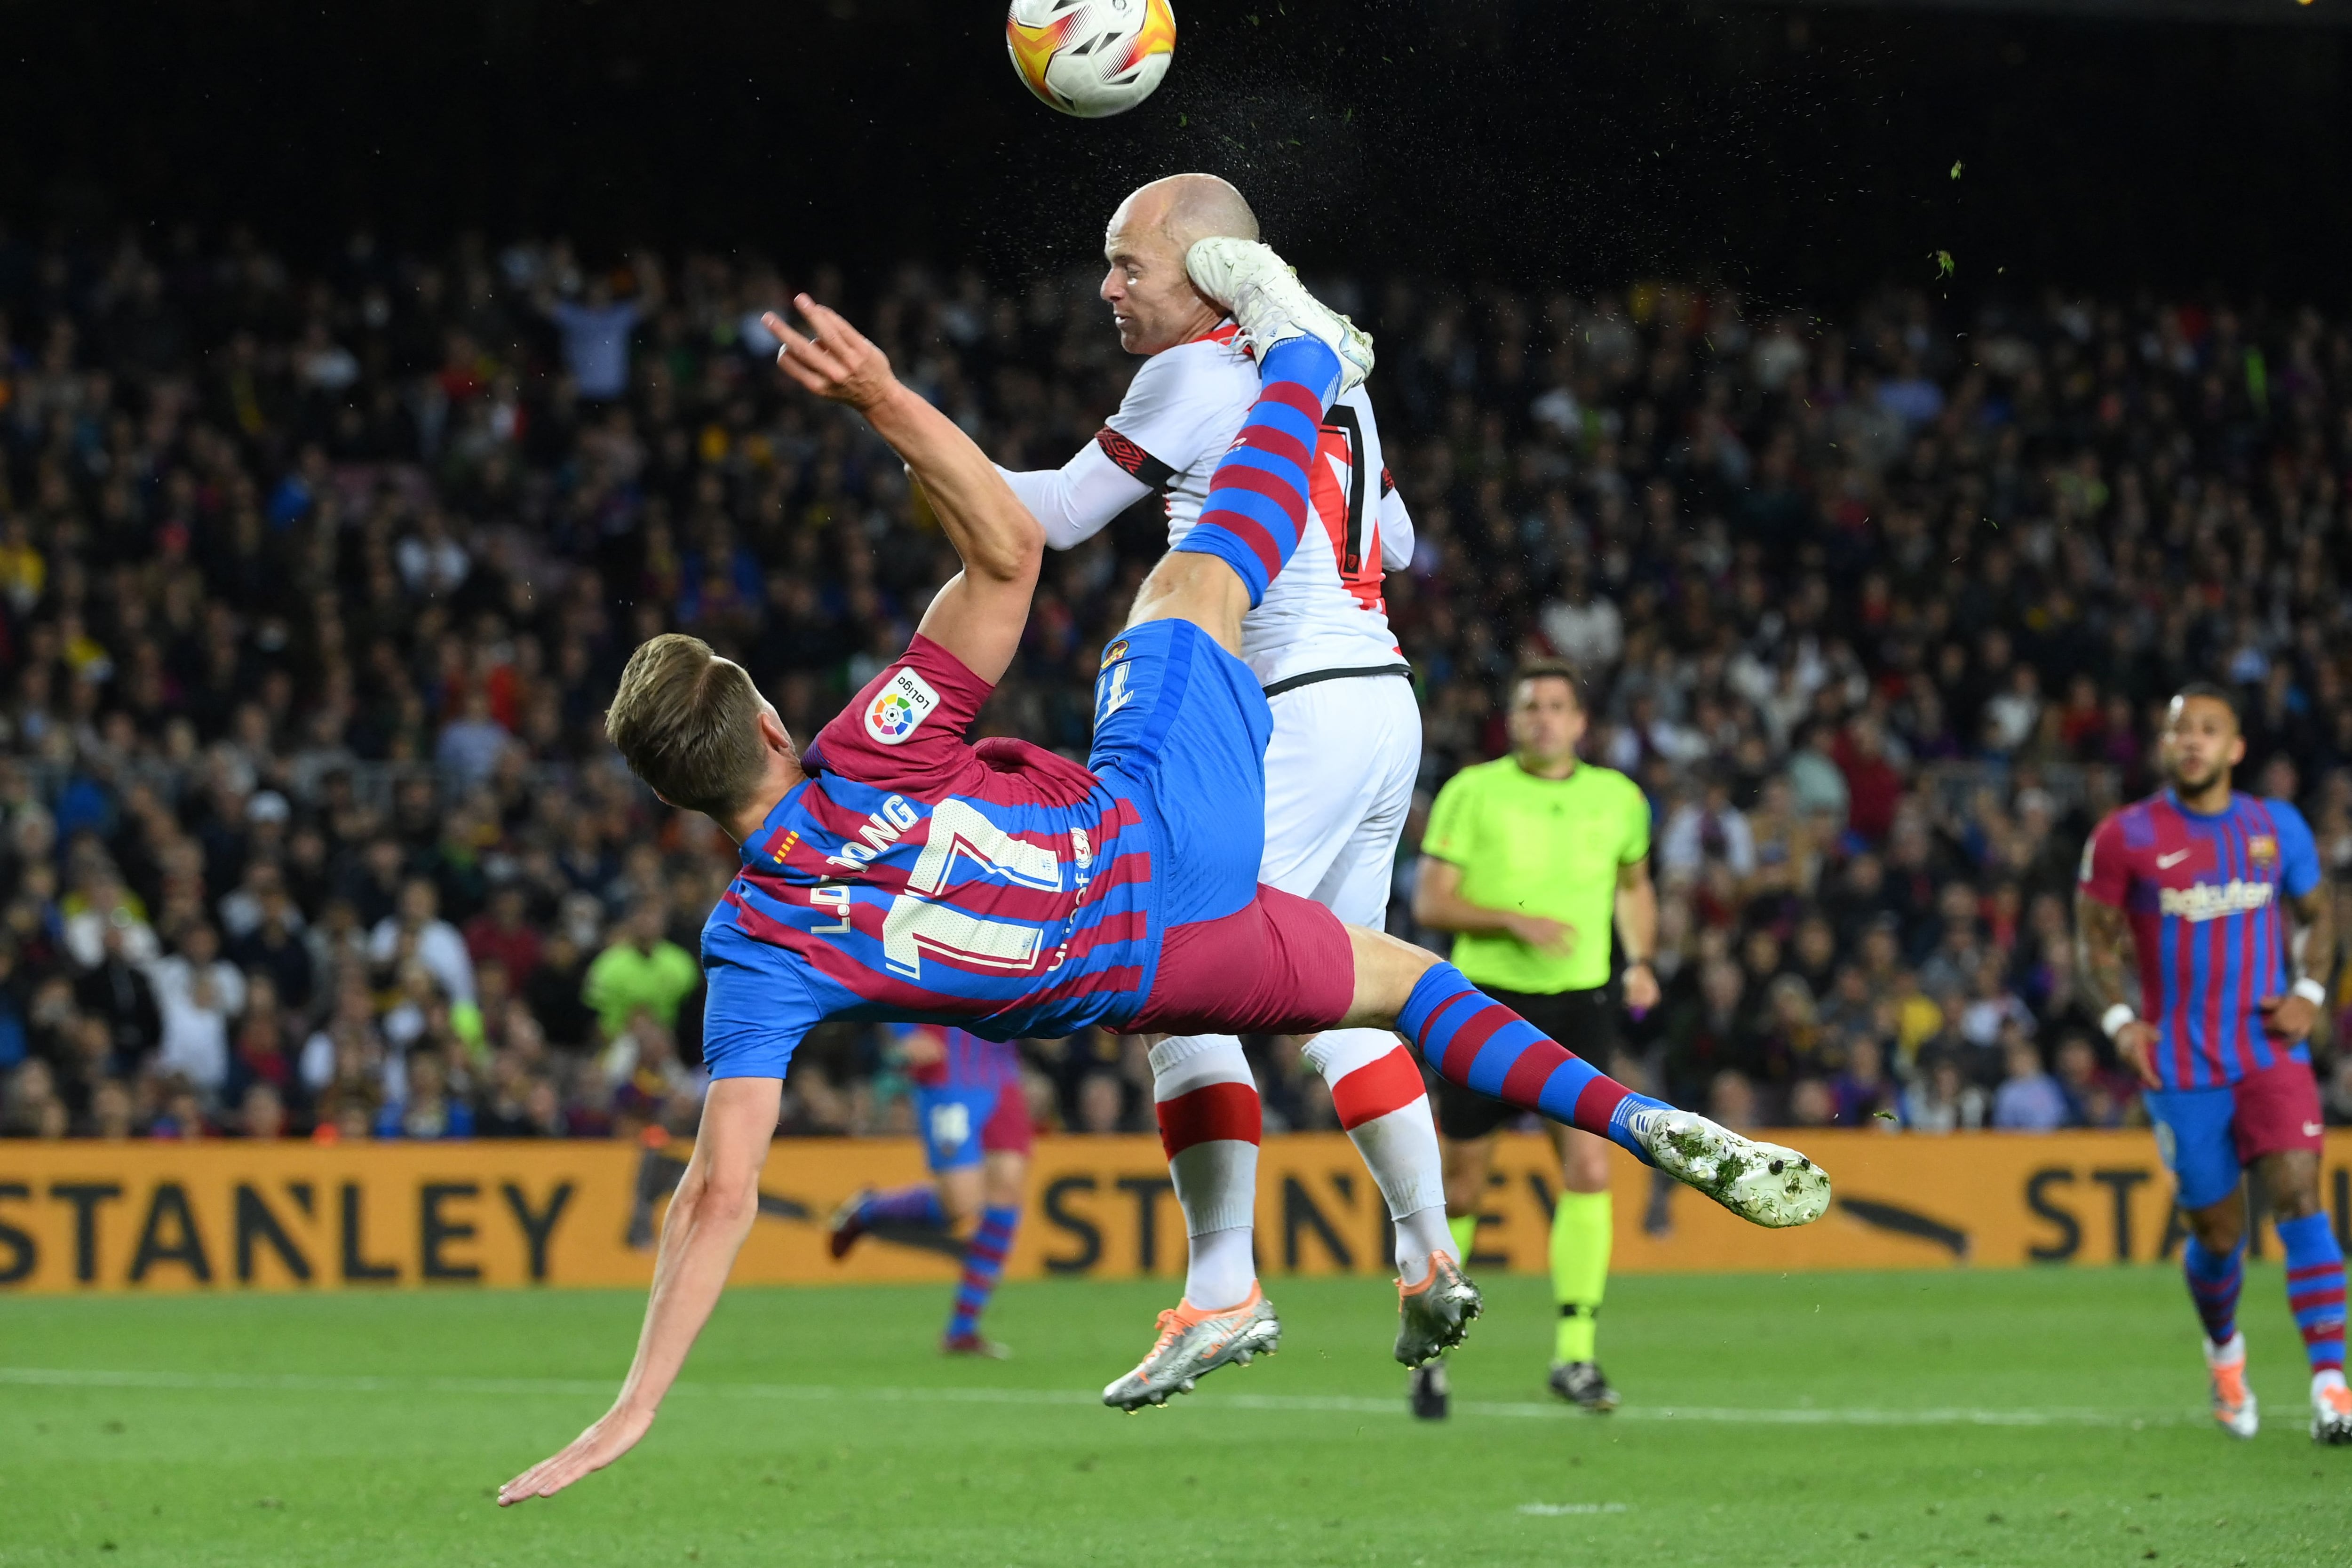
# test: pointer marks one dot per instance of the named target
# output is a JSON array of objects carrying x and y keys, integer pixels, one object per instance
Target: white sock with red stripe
[
  {"x": 1210, "y": 1122},
  {"x": 1376, "y": 1088}
]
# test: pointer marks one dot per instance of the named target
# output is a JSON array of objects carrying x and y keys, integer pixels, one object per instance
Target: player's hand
[
  {"x": 611, "y": 1435},
  {"x": 835, "y": 360},
  {"x": 2136, "y": 1045},
  {"x": 1557, "y": 938},
  {"x": 1641, "y": 989},
  {"x": 2289, "y": 1018}
]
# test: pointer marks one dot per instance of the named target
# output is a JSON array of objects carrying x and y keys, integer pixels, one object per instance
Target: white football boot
[
  {"x": 1434, "y": 1316},
  {"x": 1192, "y": 1344},
  {"x": 1763, "y": 1184},
  {"x": 2331, "y": 1410},
  {"x": 1273, "y": 306},
  {"x": 2234, "y": 1402}
]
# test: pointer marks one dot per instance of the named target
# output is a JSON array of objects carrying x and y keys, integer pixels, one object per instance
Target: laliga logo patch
[
  {"x": 904, "y": 702},
  {"x": 1114, "y": 653},
  {"x": 2263, "y": 849}
]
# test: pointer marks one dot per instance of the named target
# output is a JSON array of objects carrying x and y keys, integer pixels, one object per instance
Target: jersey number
[
  {"x": 1338, "y": 460},
  {"x": 915, "y": 924}
]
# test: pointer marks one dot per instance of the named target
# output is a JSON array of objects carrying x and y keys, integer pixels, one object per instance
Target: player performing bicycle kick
[
  {"x": 1340, "y": 767},
  {"x": 895, "y": 872}
]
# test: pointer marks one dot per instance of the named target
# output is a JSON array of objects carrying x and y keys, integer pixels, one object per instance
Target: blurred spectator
[
  {"x": 416, "y": 928},
  {"x": 197, "y": 995},
  {"x": 2029, "y": 1098}
]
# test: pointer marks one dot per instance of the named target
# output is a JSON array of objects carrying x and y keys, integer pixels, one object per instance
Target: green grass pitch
[{"x": 2010, "y": 1417}]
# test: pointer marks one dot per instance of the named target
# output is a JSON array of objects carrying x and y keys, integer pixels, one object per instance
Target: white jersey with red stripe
[{"x": 1182, "y": 412}]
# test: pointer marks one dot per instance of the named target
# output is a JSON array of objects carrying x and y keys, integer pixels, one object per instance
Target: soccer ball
[{"x": 1091, "y": 58}]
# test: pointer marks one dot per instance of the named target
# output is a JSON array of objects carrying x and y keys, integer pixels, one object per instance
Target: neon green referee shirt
[{"x": 1540, "y": 847}]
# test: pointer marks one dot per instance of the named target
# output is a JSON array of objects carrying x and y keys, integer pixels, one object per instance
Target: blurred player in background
[
  {"x": 2186, "y": 886},
  {"x": 973, "y": 1120},
  {"x": 1530, "y": 860},
  {"x": 1340, "y": 768}
]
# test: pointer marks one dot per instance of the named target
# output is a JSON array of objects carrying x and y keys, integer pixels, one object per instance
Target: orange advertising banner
[{"x": 229, "y": 1215}]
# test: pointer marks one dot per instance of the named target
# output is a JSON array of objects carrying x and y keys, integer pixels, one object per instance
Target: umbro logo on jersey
[
  {"x": 905, "y": 701},
  {"x": 2167, "y": 862}
]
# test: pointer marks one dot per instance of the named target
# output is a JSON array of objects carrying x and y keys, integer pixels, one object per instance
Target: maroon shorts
[
  {"x": 1007, "y": 1129},
  {"x": 2278, "y": 1109},
  {"x": 1281, "y": 964}
]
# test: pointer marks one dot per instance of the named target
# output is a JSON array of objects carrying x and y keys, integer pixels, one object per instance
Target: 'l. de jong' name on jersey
[{"x": 918, "y": 878}]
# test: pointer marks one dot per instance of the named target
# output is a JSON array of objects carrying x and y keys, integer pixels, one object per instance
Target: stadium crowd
[{"x": 314, "y": 583}]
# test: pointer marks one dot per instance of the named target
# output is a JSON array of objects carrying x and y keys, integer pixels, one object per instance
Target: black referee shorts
[{"x": 1583, "y": 1021}]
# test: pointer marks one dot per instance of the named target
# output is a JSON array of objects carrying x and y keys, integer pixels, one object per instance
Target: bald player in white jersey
[{"x": 1340, "y": 767}]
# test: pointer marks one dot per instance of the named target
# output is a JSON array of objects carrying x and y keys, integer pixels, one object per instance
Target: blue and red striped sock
[
  {"x": 2314, "y": 1288},
  {"x": 983, "y": 1265},
  {"x": 1257, "y": 496},
  {"x": 915, "y": 1205},
  {"x": 1475, "y": 1041},
  {"x": 2214, "y": 1278}
]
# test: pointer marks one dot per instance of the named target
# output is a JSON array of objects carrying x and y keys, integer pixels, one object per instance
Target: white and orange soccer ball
[{"x": 1091, "y": 58}]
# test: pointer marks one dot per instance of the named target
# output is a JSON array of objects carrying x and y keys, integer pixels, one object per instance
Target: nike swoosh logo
[
  {"x": 2311, "y": 1129},
  {"x": 2167, "y": 862}
]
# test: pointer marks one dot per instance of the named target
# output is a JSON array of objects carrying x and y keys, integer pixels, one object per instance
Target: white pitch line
[{"x": 306, "y": 1383}]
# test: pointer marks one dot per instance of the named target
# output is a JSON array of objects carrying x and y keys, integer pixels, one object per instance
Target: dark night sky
[{"x": 1795, "y": 153}]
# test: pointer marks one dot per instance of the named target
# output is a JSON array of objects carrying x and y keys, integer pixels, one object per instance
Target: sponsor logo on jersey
[
  {"x": 901, "y": 708},
  {"x": 2263, "y": 849},
  {"x": 2211, "y": 902}
]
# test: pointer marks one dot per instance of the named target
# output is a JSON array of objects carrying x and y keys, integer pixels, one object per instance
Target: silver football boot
[
  {"x": 1272, "y": 305},
  {"x": 1434, "y": 1315},
  {"x": 1192, "y": 1345},
  {"x": 1763, "y": 1184}
]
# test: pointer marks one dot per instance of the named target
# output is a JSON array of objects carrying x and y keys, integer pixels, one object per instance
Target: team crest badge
[
  {"x": 2263, "y": 849},
  {"x": 1114, "y": 653},
  {"x": 900, "y": 709}
]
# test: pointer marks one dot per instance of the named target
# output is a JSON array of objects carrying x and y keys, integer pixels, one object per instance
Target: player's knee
[{"x": 2296, "y": 1202}]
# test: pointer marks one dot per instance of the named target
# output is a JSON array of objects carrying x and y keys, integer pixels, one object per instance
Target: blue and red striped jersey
[
  {"x": 915, "y": 876},
  {"x": 967, "y": 1062},
  {"x": 2202, "y": 894}
]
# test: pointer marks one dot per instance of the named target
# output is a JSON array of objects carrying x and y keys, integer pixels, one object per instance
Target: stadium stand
[{"x": 313, "y": 585}]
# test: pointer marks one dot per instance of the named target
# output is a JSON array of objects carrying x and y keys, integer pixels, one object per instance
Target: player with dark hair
[
  {"x": 897, "y": 872},
  {"x": 1532, "y": 860},
  {"x": 973, "y": 1120},
  {"x": 2208, "y": 995}
]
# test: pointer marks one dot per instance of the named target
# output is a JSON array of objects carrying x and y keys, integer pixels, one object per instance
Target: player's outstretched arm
[
  {"x": 715, "y": 1202},
  {"x": 980, "y": 616}
]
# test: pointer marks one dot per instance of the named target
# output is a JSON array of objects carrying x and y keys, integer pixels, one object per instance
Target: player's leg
[
  {"x": 2192, "y": 1137},
  {"x": 1467, "y": 1125},
  {"x": 1256, "y": 506},
  {"x": 1340, "y": 773},
  {"x": 2278, "y": 1134},
  {"x": 928, "y": 1210},
  {"x": 1472, "y": 1040},
  {"x": 1210, "y": 1118},
  {"x": 1582, "y": 1231},
  {"x": 1000, "y": 1183}
]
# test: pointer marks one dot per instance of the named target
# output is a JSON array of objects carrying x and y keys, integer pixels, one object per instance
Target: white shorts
[{"x": 1340, "y": 773}]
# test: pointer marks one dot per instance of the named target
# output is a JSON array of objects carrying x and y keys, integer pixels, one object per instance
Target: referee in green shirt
[{"x": 1529, "y": 861}]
